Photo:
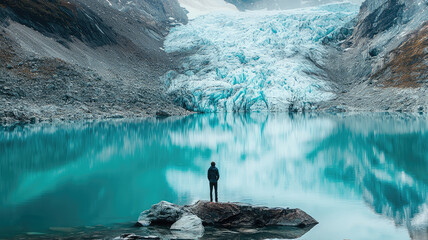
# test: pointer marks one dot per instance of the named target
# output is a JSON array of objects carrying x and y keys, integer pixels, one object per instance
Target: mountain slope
[
  {"x": 83, "y": 59},
  {"x": 60, "y": 19},
  {"x": 386, "y": 58}
]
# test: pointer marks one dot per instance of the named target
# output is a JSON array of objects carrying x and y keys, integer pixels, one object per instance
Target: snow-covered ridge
[{"x": 254, "y": 61}]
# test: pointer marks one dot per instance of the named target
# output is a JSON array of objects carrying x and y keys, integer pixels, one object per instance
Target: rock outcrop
[
  {"x": 245, "y": 215},
  {"x": 228, "y": 215}
]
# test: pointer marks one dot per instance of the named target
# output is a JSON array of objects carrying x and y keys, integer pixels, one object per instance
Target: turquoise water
[{"x": 362, "y": 176}]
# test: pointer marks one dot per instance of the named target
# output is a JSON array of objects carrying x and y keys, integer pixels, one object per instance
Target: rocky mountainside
[
  {"x": 161, "y": 14},
  {"x": 383, "y": 63},
  {"x": 395, "y": 33},
  {"x": 84, "y": 59},
  {"x": 60, "y": 20}
]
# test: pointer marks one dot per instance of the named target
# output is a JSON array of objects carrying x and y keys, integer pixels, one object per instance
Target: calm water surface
[{"x": 362, "y": 176}]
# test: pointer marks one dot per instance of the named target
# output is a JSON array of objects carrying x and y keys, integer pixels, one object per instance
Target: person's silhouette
[{"x": 213, "y": 176}]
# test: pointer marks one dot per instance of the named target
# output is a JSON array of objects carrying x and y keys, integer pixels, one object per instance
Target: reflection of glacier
[
  {"x": 254, "y": 60},
  {"x": 387, "y": 161},
  {"x": 299, "y": 160},
  {"x": 332, "y": 166}
]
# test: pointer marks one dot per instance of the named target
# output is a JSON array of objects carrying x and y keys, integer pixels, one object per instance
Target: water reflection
[{"x": 365, "y": 172}]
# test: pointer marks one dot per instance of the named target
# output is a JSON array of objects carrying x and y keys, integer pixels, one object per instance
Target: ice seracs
[{"x": 254, "y": 61}]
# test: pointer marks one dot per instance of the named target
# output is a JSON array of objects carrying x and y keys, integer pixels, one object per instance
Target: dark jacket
[{"x": 213, "y": 174}]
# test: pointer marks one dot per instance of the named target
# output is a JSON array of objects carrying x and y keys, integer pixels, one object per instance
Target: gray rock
[
  {"x": 189, "y": 226},
  {"x": 163, "y": 213},
  {"x": 162, "y": 114},
  {"x": 233, "y": 215},
  {"x": 229, "y": 215}
]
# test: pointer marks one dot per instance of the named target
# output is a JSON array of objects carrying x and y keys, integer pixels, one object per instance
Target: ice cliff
[{"x": 254, "y": 61}]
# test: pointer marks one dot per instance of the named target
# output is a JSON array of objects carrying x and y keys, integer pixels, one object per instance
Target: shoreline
[{"x": 8, "y": 122}]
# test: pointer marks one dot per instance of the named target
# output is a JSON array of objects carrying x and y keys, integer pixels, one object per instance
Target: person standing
[{"x": 213, "y": 176}]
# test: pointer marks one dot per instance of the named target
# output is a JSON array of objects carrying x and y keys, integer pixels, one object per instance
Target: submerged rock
[
  {"x": 63, "y": 229},
  {"x": 35, "y": 233},
  {"x": 133, "y": 236}
]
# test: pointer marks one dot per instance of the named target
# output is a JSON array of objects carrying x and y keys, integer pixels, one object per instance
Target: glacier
[
  {"x": 254, "y": 60},
  {"x": 196, "y": 8}
]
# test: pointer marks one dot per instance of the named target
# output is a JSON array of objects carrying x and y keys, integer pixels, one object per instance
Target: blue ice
[{"x": 256, "y": 60}]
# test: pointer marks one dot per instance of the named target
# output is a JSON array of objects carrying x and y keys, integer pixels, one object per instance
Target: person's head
[{"x": 212, "y": 164}]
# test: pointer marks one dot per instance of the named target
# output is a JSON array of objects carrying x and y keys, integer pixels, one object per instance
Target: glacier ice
[
  {"x": 254, "y": 61},
  {"x": 196, "y": 8}
]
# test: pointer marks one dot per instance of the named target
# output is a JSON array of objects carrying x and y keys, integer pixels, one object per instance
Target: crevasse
[{"x": 254, "y": 61}]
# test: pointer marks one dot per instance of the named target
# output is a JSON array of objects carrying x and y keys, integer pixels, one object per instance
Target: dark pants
[{"x": 211, "y": 191}]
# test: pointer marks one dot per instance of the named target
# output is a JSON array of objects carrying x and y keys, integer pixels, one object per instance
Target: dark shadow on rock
[{"x": 279, "y": 232}]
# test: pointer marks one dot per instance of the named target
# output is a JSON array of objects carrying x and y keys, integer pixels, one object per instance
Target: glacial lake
[{"x": 362, "y": 176}]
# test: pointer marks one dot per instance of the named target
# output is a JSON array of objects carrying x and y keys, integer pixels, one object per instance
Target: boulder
[
  {"x": 235, "y": 215},
  {"x": 189, "y": 223},
  {"x": 162, "y": 114},
  {"x": 163, "y": 213},
  {"x": 228, "y": 215}
]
